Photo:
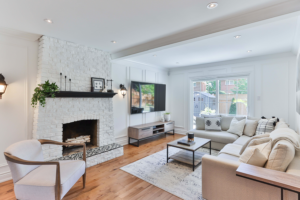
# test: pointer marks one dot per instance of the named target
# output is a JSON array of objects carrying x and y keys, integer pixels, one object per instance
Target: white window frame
[{"x": 217, "y": 90}]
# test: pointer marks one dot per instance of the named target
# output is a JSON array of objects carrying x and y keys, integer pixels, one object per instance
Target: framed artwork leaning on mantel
[{"x": 98, "y": 84}]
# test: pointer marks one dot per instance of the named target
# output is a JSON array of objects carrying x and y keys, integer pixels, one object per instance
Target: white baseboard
[
  {"x": 122, "y": 140},
  {"x": 5, "y": 174}
]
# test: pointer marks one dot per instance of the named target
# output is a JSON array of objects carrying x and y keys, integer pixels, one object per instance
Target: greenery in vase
[{"x": 42, "y": 91}]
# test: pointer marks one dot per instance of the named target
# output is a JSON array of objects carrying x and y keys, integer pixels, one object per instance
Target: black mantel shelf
[{"x": 70, "y": 94}]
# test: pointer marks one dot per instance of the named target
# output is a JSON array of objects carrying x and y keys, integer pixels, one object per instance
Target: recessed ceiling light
[
  {"x": 249, "y": 51},
  {"x": 237, "y": 36},
  {"x": 154, "y": 55},
  {"x": 212, "y": 5},
  {"x": 114, "y": 42},
  {"x": 48, "y": 21}
]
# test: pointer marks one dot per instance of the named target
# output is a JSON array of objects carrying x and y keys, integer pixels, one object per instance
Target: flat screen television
[{"x": 147, "y": 97}]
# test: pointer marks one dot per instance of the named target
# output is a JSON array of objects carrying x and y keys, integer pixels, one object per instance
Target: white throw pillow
[
  {"x": 237, "y": 127},
  {"x": 213, "y": 124}
]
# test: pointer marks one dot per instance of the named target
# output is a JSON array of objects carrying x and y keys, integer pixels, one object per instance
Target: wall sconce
[
  {"x": 123, "y": 90},
  {"x": 3, "y": 85}
]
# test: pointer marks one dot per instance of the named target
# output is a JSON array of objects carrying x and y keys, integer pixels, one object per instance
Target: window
[
  {"x": 195, "y": 84},
  {"x": 229, "y": 82},
  {"x": 229, "y": 97}
]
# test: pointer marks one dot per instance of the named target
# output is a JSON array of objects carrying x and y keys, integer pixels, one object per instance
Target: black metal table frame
[
  {"x": 190, "y": 150},
  {"x": 138, "y": 140},
  {"x": 282, "y": 188}
]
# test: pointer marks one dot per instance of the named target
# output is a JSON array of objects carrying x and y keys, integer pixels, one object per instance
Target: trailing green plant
[{"x": 42, "y": 91}]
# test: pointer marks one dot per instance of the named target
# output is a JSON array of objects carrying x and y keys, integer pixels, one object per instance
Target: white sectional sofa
[{"x": 219, "y": 180}]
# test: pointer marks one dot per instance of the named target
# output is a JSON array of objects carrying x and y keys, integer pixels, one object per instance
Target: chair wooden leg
[{"x": 84, "y": 179}]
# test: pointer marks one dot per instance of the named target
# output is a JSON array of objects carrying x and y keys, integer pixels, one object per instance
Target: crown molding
[{"x": 19, "y": 34}]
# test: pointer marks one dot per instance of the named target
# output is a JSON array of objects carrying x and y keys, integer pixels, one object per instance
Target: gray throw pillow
[
  {"x": 250, "y": 127},
  {"x": 210, "y": 116},
  {"x": 213, "y": 124},
  {"x": 226, "y": 120},
  {"x": 200, "y": 123}
]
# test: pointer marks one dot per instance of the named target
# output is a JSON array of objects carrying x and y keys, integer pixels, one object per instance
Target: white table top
[{"x": 199, "y": 142}]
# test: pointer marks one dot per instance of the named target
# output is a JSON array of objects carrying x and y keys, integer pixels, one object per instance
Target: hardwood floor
[{"x": 106, "y": 181}]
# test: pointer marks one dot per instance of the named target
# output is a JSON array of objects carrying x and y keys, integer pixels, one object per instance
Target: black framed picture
[{"x": 98, "y": 84}]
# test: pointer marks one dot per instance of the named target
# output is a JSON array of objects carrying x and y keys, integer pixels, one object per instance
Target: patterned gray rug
[{"x": 174, "y": 177}]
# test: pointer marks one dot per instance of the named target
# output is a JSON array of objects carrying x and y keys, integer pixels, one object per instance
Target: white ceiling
[
  {"x": 129, "y": 22},
  {"x": 275, "y": 37}
]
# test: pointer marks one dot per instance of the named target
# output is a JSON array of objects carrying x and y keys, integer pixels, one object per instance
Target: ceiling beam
[{"x": 290, "y": 8}]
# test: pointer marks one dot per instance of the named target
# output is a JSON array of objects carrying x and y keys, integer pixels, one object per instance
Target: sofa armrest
[{"x": 219, "y": 181}]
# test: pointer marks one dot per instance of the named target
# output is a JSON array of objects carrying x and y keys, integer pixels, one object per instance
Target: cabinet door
[
  {"x": 169, "y": 126},
  {"x": 145, "y": 132}
]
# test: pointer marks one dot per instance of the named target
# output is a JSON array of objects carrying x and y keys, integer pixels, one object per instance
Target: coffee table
[{"x": 189, "y": 154}]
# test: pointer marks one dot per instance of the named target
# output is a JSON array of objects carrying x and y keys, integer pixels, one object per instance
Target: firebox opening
[{"x": 80, "y": 131}]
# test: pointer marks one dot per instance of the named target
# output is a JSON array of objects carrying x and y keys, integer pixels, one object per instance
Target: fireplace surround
[{"x": 79, "y": 63}]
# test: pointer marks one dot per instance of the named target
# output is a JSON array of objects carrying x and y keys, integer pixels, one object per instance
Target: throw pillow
[
  {"x": 250, "y": 127},
  {"x": 237, "y": 127},
  {"x": 253, "y": 156},
  {"x": 281, "y": 124},
  {"x": 265, "y": 126},
  {"x": 213, "y": 124},
  {"x": 226, "y": 120},
  {"x": 281, "y": 156},
  {"x": 200, "y": 123},
  {"x": 253, "y": 138},
  {"x": 210, "y": 116},
  {"x": 264, "y": 145}
]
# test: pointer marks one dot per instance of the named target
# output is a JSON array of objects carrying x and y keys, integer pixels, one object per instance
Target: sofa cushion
[
  {"x": 242, "y": 140},
  {"x": 231, "y": 149},
  {"x": 40, "y": 183},
  {"x": 281, "y": 156},
  {"x": 294, "y": 166},
  {"x": 213, "y": 124},
  {"x": 200, "y": 123},
  {"x": 216, "y": 136},
  {"x": 226, "y": 120},
  {"x": 250, "y": 127},
  {"x": 237, "y": 127},
  {"x": 265, "y": 126},
  {"x": 229, "y": 157},
  {"x": 253, "y": 138},
  {"x": 253, "y": 156},
  {"x": 264, "y": 145},
  {"x": 210, "y": 116}
]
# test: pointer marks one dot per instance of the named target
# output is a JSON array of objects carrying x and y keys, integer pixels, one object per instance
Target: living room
[{"x": 135, "y": 78}]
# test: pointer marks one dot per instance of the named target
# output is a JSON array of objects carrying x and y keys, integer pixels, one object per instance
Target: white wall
[
  {"x": 18, "y": 63},
  {"x": 271, "y": 87},
  {"x": 124, "y": 73}
]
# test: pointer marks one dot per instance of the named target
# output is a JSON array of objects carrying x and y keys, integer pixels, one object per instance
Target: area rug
[{"x": 174, "y": 177}]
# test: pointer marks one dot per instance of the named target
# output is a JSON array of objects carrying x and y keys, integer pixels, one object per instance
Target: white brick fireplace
[{"x": 79, "y": 63}]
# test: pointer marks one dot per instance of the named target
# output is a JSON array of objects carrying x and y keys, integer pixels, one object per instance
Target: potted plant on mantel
[
  {"x": 42, "y": 92},
  {"x": 167, "y": 117}
]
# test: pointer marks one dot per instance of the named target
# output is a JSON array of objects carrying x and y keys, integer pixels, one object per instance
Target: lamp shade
[{"x": 3, "y": 85}]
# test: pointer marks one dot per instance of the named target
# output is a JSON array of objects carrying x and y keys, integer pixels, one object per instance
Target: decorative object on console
[
  {"x": 111, "y": 90},
  {"x": 60, "y": 86},
  {"x": 191, "y": 137},
  {"x": 42, "y": 91},
  {"x": 3, "y": 85},
  {"x": 98, "y": 84},
  {"x": 167, "y": 117},
  {"x": 70, "y": 84},
  {"x": 65, "y": 83},
  {"x": 213, "y": 124},
  {"x": 123, "y": 90}
]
